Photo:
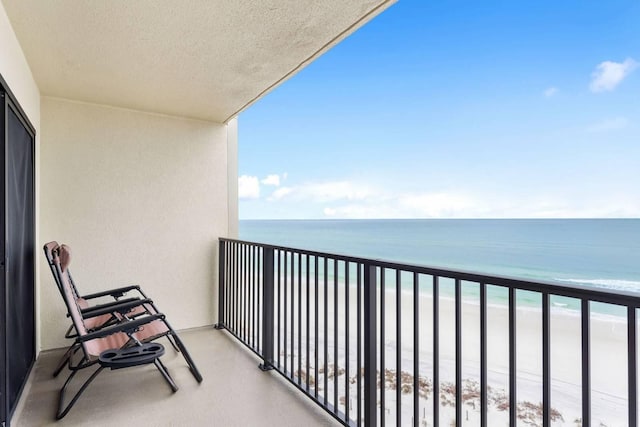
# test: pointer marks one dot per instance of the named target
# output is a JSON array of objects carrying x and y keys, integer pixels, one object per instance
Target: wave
[{"x": 615, "y": 284}]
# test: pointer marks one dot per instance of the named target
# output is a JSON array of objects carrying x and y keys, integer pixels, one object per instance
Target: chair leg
[
  {"x": 187, "y": 357},
  {"x": 63, "y": 410},
  {"x": 65, "y": 358},
  {"x": 165, "y": 373},
  {"x": 173, "y": 344}
]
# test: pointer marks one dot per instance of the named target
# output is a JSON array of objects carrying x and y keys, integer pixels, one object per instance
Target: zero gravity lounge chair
[
  {"x": 100, "y": 314},
  {"x": 121, "y": 344}
]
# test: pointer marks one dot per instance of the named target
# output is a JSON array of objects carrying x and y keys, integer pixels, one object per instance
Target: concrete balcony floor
[{"x": 234, "y": 392}]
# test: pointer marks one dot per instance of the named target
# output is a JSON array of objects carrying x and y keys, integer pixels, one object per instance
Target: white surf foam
[{"x": 616, "y": 284}]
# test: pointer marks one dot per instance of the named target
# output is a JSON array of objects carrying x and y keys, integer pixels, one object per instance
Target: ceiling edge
[{"x": 334, "y": 41}]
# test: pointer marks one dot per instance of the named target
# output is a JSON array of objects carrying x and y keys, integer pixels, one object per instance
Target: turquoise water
[{"x": 592, "y": 252}]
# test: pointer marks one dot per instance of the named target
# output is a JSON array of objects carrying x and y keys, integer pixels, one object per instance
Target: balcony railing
[{"x": 364, "y": 338}]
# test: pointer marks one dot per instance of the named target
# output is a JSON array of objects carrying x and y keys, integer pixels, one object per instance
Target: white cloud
[
  {"x": 323, "y": 192},
  {"x": 550, "y": 91},
  {"x": 280, "y": 193},
  {"x": 248, "y": 187},
  {"x": 381, "y": 204},
  {"x": 609, "y": 74},
  {"x": 271, "y": 180},
  {"x": 452, "y": 205},
  {"x": 338, "y": 190},
  {"x": 353, "y": 200},
  {"x": 347, "y": 199},
  {"x": 330, "y": 211},
  {"x": 435, "y": 205},
  {"x": 363, "y": 211},
  {"x": 613, "y": 124}
]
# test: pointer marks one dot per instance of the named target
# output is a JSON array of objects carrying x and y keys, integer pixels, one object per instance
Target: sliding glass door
[{"x": 17, "y": 253}]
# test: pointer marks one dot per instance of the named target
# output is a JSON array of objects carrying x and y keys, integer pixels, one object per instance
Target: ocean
[{"x": 592, "y": 252}]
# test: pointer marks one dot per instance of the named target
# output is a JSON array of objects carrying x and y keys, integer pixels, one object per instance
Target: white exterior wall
[
  {"x": 141, "y": 199},
  {"x": 17, "y": 74}
]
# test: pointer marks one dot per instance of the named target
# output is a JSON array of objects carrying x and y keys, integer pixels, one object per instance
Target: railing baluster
[
  {"x": 359, "y": 340},
  {"x": 249, "y": 295},
  {"x": 346, "y": 341},
  {"x": 416, "y": 349},
  {"x": 245, "y": 289},
  {"x": 546, "y": 361},
  {"x": 370, "y": 344},
  {"x": 633, "y": 366},
  {"x": 383, "y": 386},
  {"x": 325, "y": 329},
  {"x": 238, "y": 291},
  {"x": 279, "y": 326},
  {"x": 308, "y": 298},
  {"x": 436, "y": 351},
  {"x": 398, "y": 348},
  {"x": 483, "y": 355},
  {"x": 299, "y": 318},
  {"x": 285, "y": 284},
  {"x": 260, "y": 294},
  {"x": 227, "y": 284},
  {"x": 458, "y": 315},
  {"x": 315, "y": 324},
  {"x": 513, "y": 396},
  {"x": 236, "y": 282},
  {"x": 335, "y": 335},
  {"x": 255, "y": 296},
  {"x": 231, "y": 306},
  {"x": 250, "y": 285},
  {"x": 243, "y": 294},
  {"x": 586, "y": 363},
  {"x": 293, "y": 314},
  {"x": 236, "y": 271}
]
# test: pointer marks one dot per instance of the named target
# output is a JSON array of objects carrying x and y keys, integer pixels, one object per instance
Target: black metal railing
[{"x": 361, "y": 337}]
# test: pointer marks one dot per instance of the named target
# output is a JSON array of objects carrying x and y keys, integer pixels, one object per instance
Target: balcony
[
  {"x": 316, "y": 323},
  {"x": 234, "y": 392}
]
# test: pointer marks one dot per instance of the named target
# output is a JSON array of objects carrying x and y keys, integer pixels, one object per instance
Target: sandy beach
[{"x": 608, "y": 352}]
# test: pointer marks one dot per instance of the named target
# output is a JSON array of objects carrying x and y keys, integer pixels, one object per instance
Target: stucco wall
[
  {"x": 16, "y": 72},
  {"x": 140, "y": 198}
]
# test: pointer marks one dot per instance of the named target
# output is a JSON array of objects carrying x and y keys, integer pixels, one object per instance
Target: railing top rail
[{"x": 610, "y": 296}]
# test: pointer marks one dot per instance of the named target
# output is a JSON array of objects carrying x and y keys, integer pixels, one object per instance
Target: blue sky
[{"x": 450, "y": 109}]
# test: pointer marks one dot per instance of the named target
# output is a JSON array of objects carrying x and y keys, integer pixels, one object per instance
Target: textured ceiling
[{"x": 206, "y": 59}]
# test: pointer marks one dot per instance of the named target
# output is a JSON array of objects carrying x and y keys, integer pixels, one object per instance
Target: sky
[{"x": 456, "y": 109}]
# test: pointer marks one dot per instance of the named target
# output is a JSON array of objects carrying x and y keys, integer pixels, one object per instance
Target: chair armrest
[
  {"x": 120, "y": 327},
  {"x": 86, "y": 311},
  {"x": 116, "y": 293},
  {"x": 122, "y": 308}
]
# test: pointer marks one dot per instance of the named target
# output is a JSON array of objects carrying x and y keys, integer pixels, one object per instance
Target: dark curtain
[{"x": 20, "y": 327}]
